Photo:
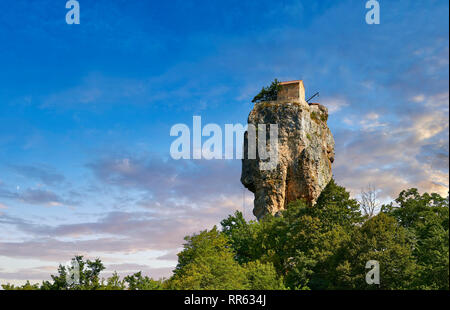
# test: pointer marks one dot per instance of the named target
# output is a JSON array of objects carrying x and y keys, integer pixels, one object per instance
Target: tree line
[{"x": 320, "y": 247}]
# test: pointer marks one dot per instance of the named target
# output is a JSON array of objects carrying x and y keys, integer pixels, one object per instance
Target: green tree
[
  {"x": 334, "y": 207},
  {"x": 88, "y": 272},
  {"x": 268, "y": 93},
  {"x": 138, "y": 282},
  {"x": 382, "y": 239},
  {"x": 304, "y": 243},
  {"x": 112, "y": 283},
  {"x": 261, "y": 276},
  {"x": 207, "y": 263},
  {"x": 426, "y": 218},
  {"x": 242, "y": 236},
  {"x": 26, "y": 287}
]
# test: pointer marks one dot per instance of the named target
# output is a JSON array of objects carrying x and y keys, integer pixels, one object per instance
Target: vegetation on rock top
[{"x": 268, "y": 93}]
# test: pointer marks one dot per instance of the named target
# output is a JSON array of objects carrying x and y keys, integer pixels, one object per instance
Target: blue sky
[{"x": 86, "y": 110}]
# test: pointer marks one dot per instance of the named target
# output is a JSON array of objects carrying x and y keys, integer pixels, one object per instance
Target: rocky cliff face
[{"x": 305, "y": 155}]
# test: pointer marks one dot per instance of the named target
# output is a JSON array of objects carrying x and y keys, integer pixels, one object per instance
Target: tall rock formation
[{"x": 305, "y": 151}]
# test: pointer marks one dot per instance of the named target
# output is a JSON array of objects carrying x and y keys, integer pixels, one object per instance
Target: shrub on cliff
[{"x": 268, "y": 93}]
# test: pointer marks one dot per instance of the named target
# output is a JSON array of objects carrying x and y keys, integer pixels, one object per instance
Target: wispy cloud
[
  {"x": 37, "y": 196},
  {"x": 393, "y": 153},
  {"x": 42, "y": 173},
  {"x": 334, "y": 104}
]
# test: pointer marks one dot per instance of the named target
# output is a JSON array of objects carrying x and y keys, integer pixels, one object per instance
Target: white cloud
[
  {"x": 334, "y": 104},
  {"x": 418, "y": 98},
  {"x": 371, "y": 122}
]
